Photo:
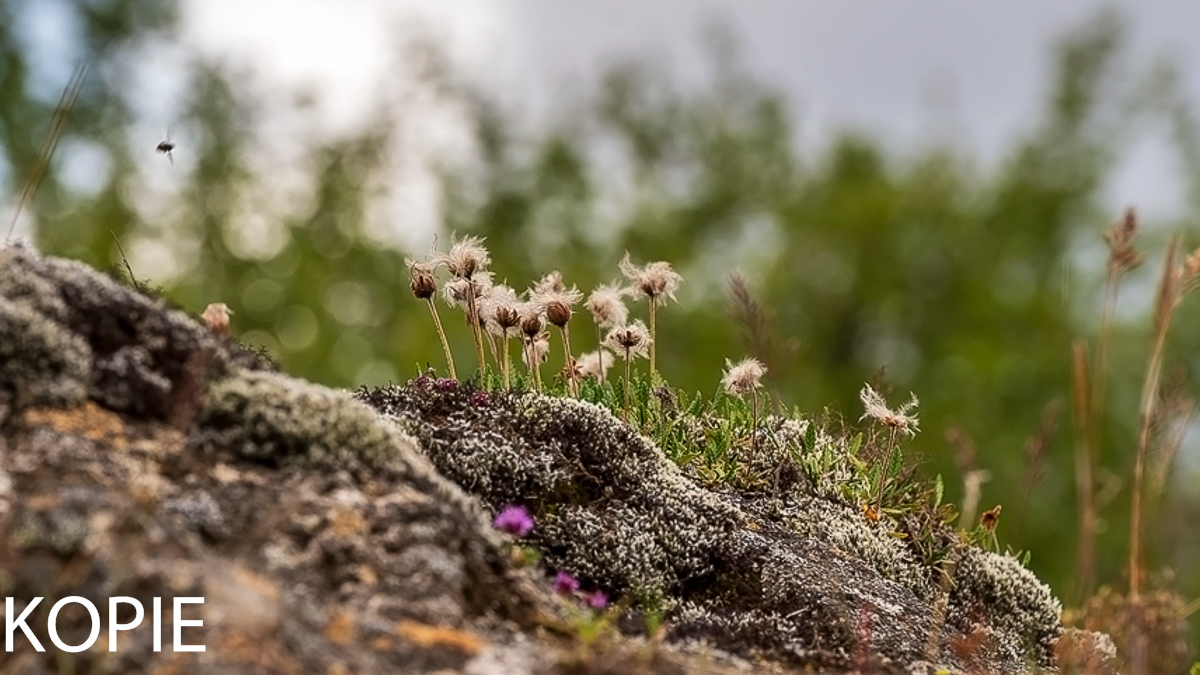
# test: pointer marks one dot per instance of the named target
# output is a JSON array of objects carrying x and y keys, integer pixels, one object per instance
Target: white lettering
[
  {"x": 180, "y": 623},
  {"x": 114, "y": 625},
  {"x": 10, "y": 626},
  {"x": 52, "y": 626}
]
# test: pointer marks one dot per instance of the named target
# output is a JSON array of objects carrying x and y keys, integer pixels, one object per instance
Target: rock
[{"x": 144, "y": 455}]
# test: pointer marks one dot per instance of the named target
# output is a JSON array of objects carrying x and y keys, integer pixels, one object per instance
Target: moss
[
  {"x": 996, "y": 590},
  {"x": 40, "y": 363},
  {"x": 277, "y": 420},
  {"x": 790, "y": 570}
]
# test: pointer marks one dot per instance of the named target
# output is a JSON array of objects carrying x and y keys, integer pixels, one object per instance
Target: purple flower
[
  {"x": 514, "y": 520},
  {"x": 565, "y": 584},
  {"x": 422, "y": 381},
  {"x": 480, "y": 398},
  {"x": 597, "y": 600},
  {"x": 447, "y": 384}
]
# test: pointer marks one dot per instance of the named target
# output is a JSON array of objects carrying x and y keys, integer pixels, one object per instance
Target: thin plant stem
[
  {"x": 754, "y": 422},
  {"x": 653, "y": 342},
  {"x": 1163, "y": 311},
  {"x": 625, "y": 412},
  {"x": 473, "y": 319},
  {"x": 437, "y": 322},
  {"x": 491, "y": 343},
  {"x": 505, "y": 363},
  {"x": 884, "y": 469},
  {"x": 1084, "y": 471},
  {"x": 566, "y": 340},
  {"x": 1094, "y": 427},
  {"x": 600, "y": 351},
  {"x": 533, "y": 366}
]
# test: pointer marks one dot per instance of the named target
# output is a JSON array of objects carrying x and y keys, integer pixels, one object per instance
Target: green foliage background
[{"x": 967, "y": 281}]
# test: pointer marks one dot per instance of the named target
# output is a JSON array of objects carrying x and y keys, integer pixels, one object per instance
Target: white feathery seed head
[
  {"x": 743, "y": 377},
  {"x": 607, "y": 306}
]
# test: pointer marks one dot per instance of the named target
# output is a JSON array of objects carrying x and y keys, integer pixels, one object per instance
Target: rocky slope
[{"x": 143, "y": 456}]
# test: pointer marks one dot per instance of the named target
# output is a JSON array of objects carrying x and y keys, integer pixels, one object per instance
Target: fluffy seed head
[
  {"x": 532, "y": 319},
  {"x": 216, "y": 317},
  {"x": 607, "y": 308},
  {"x": 877, "y": 409},
  {"x": 743, "y": 377},
  {"x": 539, "y": 346},
  {"x": 551, "y": 283},
  {"x": 501, "y": 311},
  {"x": 421, "y": 281},
  {"x": 656, "y": 280},
  {"x": 466, "y": 257},
  {"x": 630, "y": 341},
  {"x": 595, "y": 364},
  {"x": 555, "y": 299}
]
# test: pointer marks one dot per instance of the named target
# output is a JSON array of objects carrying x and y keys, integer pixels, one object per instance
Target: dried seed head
[
  {"x": 216, "y": 317},
  {"x": 743, "y": 377},
  {"x": 877, "y": 409},
  {"x": 532, "y": 320},
  {"x": 990, "y": 518},
  {"x": 500, "y": 311},
  {"x": 551, "y": 283},
  {"x": 629, "y": 341},
  {"x": 555, "y": 299},
  {"x": 422, "y": 282},
  {"x": 455, "y": 292},
  {"x": 656, "y": 280},
  {"x": 466, "y": 257},
  {"x": 607, "y": 308},
  {"x": 595, "y": 364}
]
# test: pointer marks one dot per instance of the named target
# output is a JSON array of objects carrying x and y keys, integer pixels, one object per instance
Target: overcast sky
[{"x": 905, "y": 70}]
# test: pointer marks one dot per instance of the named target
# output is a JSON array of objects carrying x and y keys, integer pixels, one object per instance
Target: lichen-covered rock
[
  {"x": 142, "y": 455},
  {"x": 793, "y": 577}
]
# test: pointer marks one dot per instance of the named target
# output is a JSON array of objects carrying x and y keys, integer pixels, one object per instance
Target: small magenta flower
[
  {"x": 597, "y": 600},
  {"x": 565, "y": 584},
  {"x": 446, "y": 384},
  {"x": 480, "y": 399},
  {"x": 514, "y": 520}
]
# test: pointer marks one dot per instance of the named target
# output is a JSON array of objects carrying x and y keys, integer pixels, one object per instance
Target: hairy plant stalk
[
  {"x": 653, "y": 343},
  {"x": 884, "y": 470},
  {"x": 571, "y": 381},
  {"x": 491, "y": 343},
  {"x": 437, "y": 322},
  {"x": 625, "y": 412},
  {"x": 754, "y": 423},
  {"x": 473, "y": 319},
  {"x": 505, "y": 364}
]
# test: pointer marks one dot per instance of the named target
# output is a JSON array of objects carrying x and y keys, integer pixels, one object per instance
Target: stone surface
[{"x": 141, "y": 455}]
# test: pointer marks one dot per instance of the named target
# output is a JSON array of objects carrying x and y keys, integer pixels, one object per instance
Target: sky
[{"x": 907, "y": 72}]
